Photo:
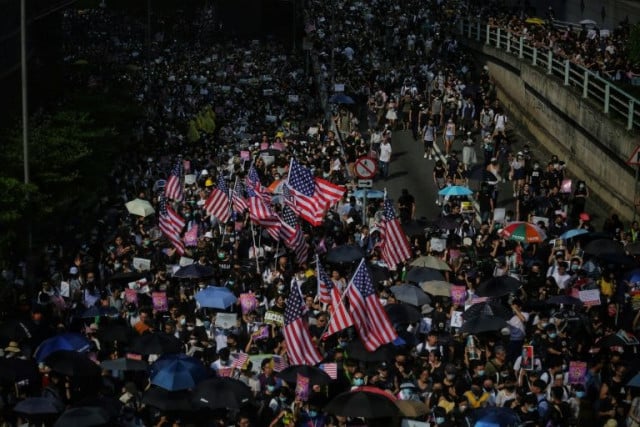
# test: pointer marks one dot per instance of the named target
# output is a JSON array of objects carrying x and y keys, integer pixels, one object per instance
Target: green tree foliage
[{"x": 634, "y": 44}]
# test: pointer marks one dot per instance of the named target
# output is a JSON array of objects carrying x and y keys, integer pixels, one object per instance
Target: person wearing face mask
[
  {"x": 507, "y": 393},
  {"x": 440, "y": 417},
  {"x": 528, "y": 411},
  {"x": 477, "y": 396},
  {"x": 310, "y": 414},
  {"x": 358, "y": 379}
]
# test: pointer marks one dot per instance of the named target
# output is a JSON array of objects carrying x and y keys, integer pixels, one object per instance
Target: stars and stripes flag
[
  {"x": 300, "y": 347},
  {"x": 279, "y": 363},
  {"x": 324, "y": 283},
  {"x": 262, "y": 215},
  {"x": 238, "y": 202},
  {"x": 239, "y": 360},
  {"x": 171, "y": 224},
  {"x": 253, "y": 185},
  {"x": 340, "y": 319},
  {"x": 173, "y": 187},
  {"x": 331, "y": 369},
  {"x": 217, "y": 204},
  {"x": 293, "y": 236},
  {"x": 329, "y": 192},
  {"x": 369, "y": 318},
  {"x": 395, "y": 245},
  {"x": 306, "y": 203}
]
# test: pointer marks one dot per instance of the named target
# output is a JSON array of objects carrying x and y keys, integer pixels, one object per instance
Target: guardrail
[{"x": 611, "y": 98}]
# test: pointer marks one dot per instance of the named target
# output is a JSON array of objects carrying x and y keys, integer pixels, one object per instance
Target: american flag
[
  {"x": 370, "y": 319},
  {"x": 253, "y": 185},
  {"x": 262, "y": 215},
  {"x": 217, "y": 204},
  {"x": 238, "y": 202},
  {"x": 225, "y": 371},
  {"x": 293, "y": 235},
  {"x": 331, "y": 369},
  {"x": 171, "y": 224},
  {"x": 279, "y": 363},
  {"x": 324, "y": 283},
  {"x": 239, "y": 360},
  {"x": 340, "y": 317},
  {"x": 173, "y": 187},
  {"x": 329, "y": 192},
  {"x": 300, "y": 346},
  {"x": 307, "y": 204},
  {"x": 395, "y": 245}
]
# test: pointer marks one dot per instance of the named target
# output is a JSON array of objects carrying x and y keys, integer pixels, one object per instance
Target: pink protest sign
[
  {"x": 131, "y": 296},
  {"x": 248, "y": 302},
  {"x": 302, "y": 388},
  {"x": 160, "y": 302},
  {"x": 577, "y": 372},
  {"x": 458, "y": 295}
]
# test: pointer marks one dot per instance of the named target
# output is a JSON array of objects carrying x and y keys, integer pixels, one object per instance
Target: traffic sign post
[{"x": 634, "y": 160}]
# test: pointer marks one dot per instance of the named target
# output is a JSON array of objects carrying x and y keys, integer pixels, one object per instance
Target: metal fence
[{"x": 608, "y": 96}]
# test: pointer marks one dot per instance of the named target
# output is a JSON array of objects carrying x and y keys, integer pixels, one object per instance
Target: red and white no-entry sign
[{"x": 366, "y": 167}]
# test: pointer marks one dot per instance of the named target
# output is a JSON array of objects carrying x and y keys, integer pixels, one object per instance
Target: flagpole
[
  {"x": 255, "y": 248},
  {"x": 341, "y": 300}
]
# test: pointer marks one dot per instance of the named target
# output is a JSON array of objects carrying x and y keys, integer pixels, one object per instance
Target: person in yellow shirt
[{"x": 477, "y": 397}]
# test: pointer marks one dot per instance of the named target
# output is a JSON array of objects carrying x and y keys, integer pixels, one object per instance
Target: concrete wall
[{"x": 594, "y": 147}]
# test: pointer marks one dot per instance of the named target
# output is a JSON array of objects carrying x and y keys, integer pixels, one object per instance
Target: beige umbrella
[
  {"x": 437, "y": 288},
  {"x": 140, "y": 207},
  {"x": 412, "y": 408},
  {"x": 430, "y": 261}
]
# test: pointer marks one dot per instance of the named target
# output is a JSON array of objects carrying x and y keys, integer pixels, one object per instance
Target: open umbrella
[
  {"x": 16, "y": 330},
  {"x": 410, "y": 294},
  {"x": 489, "y": 308},
  {"x": 341, "y": 98},
  {"x": 370, "y": 193},
  {"x": 68, "y": 341},
  {"x": 495, "y": 417},
  {"x": 498, "y": 286},
  {"x": 345, "y": 254},
  {"x": 140, "y": 207},
  {"x": 221, "y": 392},
  {"x": 402, "y": 313},
  {"x": 483, "y": 323},
  {"x": 315, "y": 375},
  {"x": 633, "y": 276},
  {"x": 126, "y": 277},
  {"x": 38, "y": 406},
  {"x": 447, "y": 222},
  {"x": 412, "y": 408},
  {"x": 216, "y": 297},
  {"x": 84, "y": 416},
  {"x": 95, "y": 311},
  {"x": 603, "y": 246},
  {"x": 72, "y": 363},
  {"x": 588, "y": 22},
  {"x": 356, "y": 350},
  {"x": 455, "y": 190},
  {"x": 194, "y": 271},
  {"x": 570, "y": 234},
  {"x": 166, "y": 400},
  {"x": 617, "y": 259},
  {"x": 125, "y": 364},
  {"x": 115, "y": 332},
  {"x": 363, "y": 402},
  {"x": 429, "y": 261},
  {"x": 633, "y": 248},
  {"x": 177, "y": 372},
  {"x": 521, "y": 231},
  {"x": 156, "y": 343},
  {"x": 437, "y": 288},
  {"x": 564, "y": 300},
  {"x": 14, "y": 370},
  {"x": 535, "y": 21},
  {"x": 635, "y": 381},
  {"x": 423, "y": 274}
]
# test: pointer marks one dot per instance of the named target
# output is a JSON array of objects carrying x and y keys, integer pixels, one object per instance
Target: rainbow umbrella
[{"x": 524, "y": 232}]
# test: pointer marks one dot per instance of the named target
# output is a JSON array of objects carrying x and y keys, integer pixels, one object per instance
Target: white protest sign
[
  {"x": 274, "y": 318},
  {"x": 590, "y": 297},
  {"x": 141, "y": 264},
  {"x": 226, "y": 320}
]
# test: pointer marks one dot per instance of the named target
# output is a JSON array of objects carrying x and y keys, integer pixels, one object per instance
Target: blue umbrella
[
  {"x": 341, "y": 98},
  {"x": 345, "y": 254},
  {"x": 38, "y": 406},
  {"x": 496, "y": 417},
  {"x": 216, "y": 297},
  {"x": 570, "y": 234},
  {"x": 194, "y": 271},
  {"x": 177, "y": 372},
  {"x": 634, "y": 276},
  {"x": 68, "y": 341},
  {"x": 455, "y": 190},
  {"x": 371, "y": 194},
  {"x": 635, "y": 381}
]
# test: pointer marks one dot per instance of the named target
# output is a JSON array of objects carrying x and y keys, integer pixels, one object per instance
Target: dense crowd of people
[{"x": 228, "y": 112}]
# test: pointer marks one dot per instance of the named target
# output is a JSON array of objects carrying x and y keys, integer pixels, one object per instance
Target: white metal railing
[{"x": 611, "y": 98}]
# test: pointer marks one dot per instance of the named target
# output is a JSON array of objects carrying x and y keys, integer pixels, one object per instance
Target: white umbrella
[
  {"x": 588, "y": 22},
  {"x": 140, "y": 207}
]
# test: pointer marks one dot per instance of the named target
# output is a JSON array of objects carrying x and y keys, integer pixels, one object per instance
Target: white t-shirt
[{"x": 385, "y": 152}]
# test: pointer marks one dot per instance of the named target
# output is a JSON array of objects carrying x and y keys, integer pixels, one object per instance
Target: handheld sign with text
[
  {"x": 577, "y": 372},
  {"x": 226, "y": 320},
  {"x": 274, "y": 318},
  {"x": 160, "y": 302}
]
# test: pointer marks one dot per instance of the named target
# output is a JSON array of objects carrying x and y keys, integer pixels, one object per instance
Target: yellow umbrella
[
  {"x": 535, "y": 21},
  {"x": 140, "y": 207},
  {"x": 430, "y": 261}
]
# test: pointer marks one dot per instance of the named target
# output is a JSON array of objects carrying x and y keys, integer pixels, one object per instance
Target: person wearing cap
[
  {"x": 12, "y": 351},
  {"x": 385, "y": 380}
]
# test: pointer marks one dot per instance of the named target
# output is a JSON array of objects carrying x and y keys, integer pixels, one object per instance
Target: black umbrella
[
  {"x": 165, "y": 400},
  {"x": 345, "y": 254},
  {"x": 115, "y": 332},
  {"x": 618, "y": 259},
  {"x": 483, "y": 323},
  {"x": 564, "y": 300},
  {"x": 85, "y": 416},
  {"x": 341, "y": 98},
  {"x": 125, "y": 364},
  {"x": 356, "y": 350},
  {"x": 364, "y": 402},
  {"x": 15, "y": 370},
  {"x": 604, "y": 246},
  {"x": 111, "y": 404},
  {"x": 633, "y": 248},
  {"x": 221, "y": 392},
  {"x": 38, "y": 406},
  {"x": 72, "y": 363},
  {"x": 127, "y": 277},
  {"x": 410, "y": 294},
  {"x": 494, "y": 416},
  {"x": 315, "y": 375},
  {"x": 156, "y": 343},
  {"x": 402, "y": 313},
  {"x": 194, "y": 271},
  {"x": 16, "y": 330},
  {"x": 423, "y": 274},
  {"x": 378, "y": 273},
  {"x": 95, "y": 311},
  {"x": 616, "y": 340},
  {"x": 491, "y": 308},
  {"x": 446, "y": 223},
  {"x": 498, "y": 286}
]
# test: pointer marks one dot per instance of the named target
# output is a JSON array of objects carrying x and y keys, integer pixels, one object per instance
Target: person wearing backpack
[{"x": 559, "y": 414}]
